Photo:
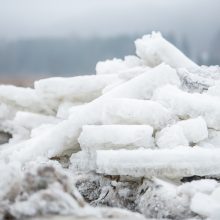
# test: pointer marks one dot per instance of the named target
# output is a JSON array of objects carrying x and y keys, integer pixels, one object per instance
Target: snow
[{"x": 96, "y": 137}]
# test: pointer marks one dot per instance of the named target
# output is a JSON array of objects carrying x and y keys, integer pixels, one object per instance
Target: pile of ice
[{"x": 142, "y": 134}]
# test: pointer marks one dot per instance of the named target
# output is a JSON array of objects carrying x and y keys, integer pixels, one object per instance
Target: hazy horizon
[{"x": 38, "y": 36}]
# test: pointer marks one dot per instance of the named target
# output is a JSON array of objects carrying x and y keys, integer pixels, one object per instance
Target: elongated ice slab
[
  {"x": 154, "y": 49},
  {"x": 187, "y": 105},
  {"x": 95, "y": 137},
  {"x": 178, "y": 162},
  {"x": 183, "y": 133},
  {"x": 133, "y": 111}
]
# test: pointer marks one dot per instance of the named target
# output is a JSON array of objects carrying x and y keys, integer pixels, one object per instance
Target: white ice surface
[
  {"x": 32, "y": 120},
  {"x": 116, "y": 66},
  {"x": 23, "y": 99},
  {"x": 181, "y": 161},
  {"x": 95, "y": 137},
  {"x": 190, "y": 105},
  {"x": 73, "y": 89},
  {"x": 142, "y": 86},
  {"x": 133, "y": 111},
  {"x": 183, "y": 133},
  {"x": 154, "y": 49}
]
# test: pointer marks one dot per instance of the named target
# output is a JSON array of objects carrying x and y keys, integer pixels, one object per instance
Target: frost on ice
[{"x": 140, "y": 135}]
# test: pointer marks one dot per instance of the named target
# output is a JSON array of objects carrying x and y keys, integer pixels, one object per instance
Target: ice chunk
[
  {"x": 178, "y": 162},
  {"x": 171, "y": 137},
  {"x": 194, "y": 129},
  {"x": 117, "y": 65},
  {"x": 83, "y": 161},
  {"x": 132, "y": 72},
  {"x": 183, "y": 133},
  {"x": 153, "y": 49},
  {"x": 94, "y": 137},
  {"x": 133, "y": 111},
  {"x": 161, "y": 201},
  {"x": 23, "y": 99},
  {"x": 198, "y": 186},
  {"x": 15, "y": 132},
  {"x": 193, "y": 82},
  {"x": 142, "y": 86},
  {"x": 74, "y": 89},
  {"x": 7, "y": 111},
  {"x": 213, "y": 139},
  {"x": 205, "y": 206},
  {"x": 214, "y": 90},
  {"x": 32, "y": 120},
  {"x": 53, "y": 141},
  {"x": 10, "y": 180},
  {"x": 187, "y": 105},
  {"x": 64, "y": 107}
]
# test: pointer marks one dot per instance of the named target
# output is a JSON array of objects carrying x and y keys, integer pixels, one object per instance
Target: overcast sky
[{"x": 46, "y": 18}]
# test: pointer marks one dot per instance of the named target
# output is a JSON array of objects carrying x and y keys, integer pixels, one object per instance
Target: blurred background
[{"x": 42, "y": 38}]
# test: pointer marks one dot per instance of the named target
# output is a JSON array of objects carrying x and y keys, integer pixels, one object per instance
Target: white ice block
[
  {"x": 190, "y": 105},
  {"x": 32, "y": 120},
  {"x": 133, "y": 111},
  {"x": 183, "y": 133},
  {"x": 214, "y": 90},
  {"x": 95, "y": 137},
  {"x": 178, "y": 162},
  {"x": 75, "y": 89},
  {"x": 23, "y": 99},
  {"x": 153, "y": 49},
  {"x": 143, "y": 86},
  {"x": 115, "y": 65}
]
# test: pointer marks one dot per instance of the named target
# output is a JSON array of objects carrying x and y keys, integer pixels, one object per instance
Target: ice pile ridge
[{"x": 156, "y": 114}]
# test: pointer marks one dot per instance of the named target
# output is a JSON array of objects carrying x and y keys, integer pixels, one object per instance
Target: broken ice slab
[
  {"x": 193, "y": 82},
  {"x": 118, "y": 65},
  {"x": 23, "y": 99},
  {"x": 153, "y": 49},
  {"x": 187, "y": 105},
  {"x": 134, "y": 111},
  {"x": 95, "y": 137},
  {"x": 178, "y": 162},
  {"x": 31, "y": 120},
  {"x": 143, "y": 86},
  {"x": 182, "y": 133},
  {"x": 75, "y": 89}
]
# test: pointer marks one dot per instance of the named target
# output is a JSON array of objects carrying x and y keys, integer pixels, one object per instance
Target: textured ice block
[
  {"x": 190, "y": 105},
  {"x": 143, "y": 86},
  {"x": 153, "y": 49},
  {"x": 75, "y": 89},
  {"x": 178, "y": 162},
  {"x": 133, "y": 111},
  {"x": 183, "y": 133},
  {"x": 94, "y": 137}
]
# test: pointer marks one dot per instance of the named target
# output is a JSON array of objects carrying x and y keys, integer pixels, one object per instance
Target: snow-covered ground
[{"x": 139, "y": 139}]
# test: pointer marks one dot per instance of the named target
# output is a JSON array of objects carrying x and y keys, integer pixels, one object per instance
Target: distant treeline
[{"x": 72, "y": 56}]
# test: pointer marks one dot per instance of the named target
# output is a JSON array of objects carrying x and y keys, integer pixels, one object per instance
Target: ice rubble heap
[{"x": 142, "y": 134}]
